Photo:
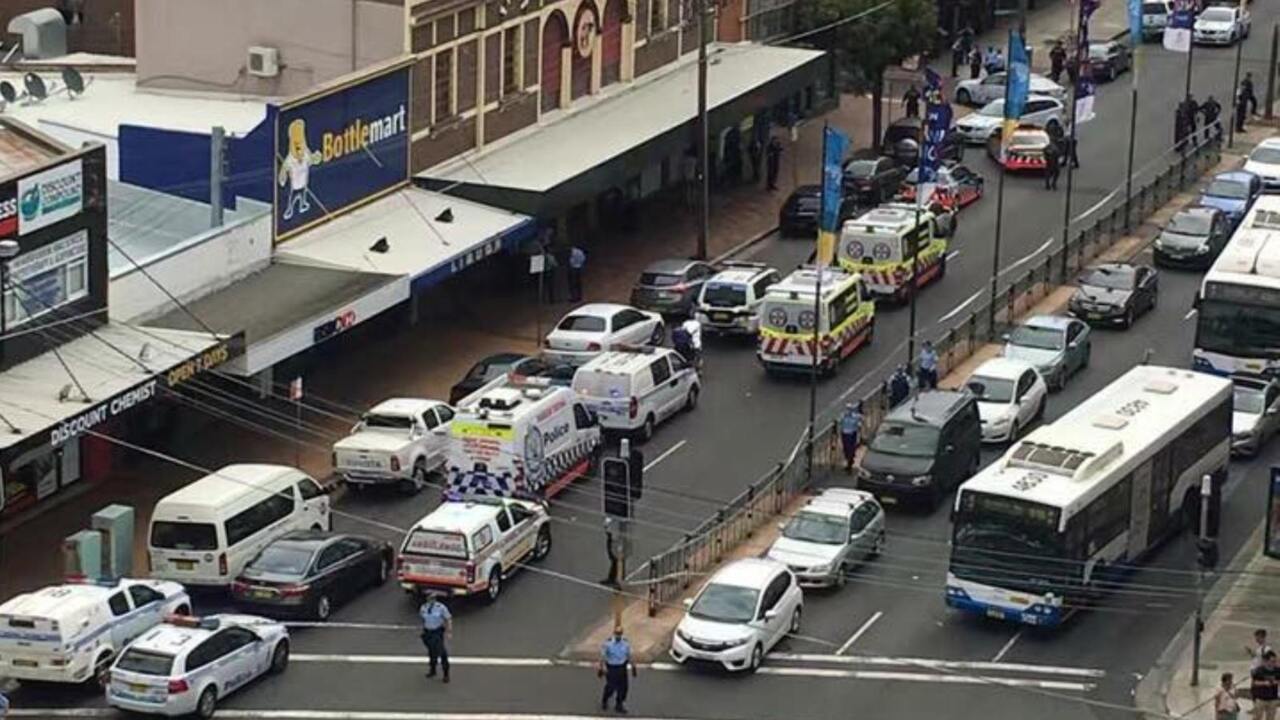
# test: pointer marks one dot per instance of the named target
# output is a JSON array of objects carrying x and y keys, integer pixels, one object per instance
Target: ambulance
[
  {"x": 845, "y": 321},
  {"x": 881, "y": 245},
  {"x": 519, "y": 438}
]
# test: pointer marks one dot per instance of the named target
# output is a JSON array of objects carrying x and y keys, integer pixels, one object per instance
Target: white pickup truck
[{"x": 398, "y": 442}]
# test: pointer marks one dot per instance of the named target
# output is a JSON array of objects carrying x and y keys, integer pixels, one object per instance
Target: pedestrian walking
[
  {"x": 850, "y": 428},
  {"x": 773, "y": 160},
  {"x": 1259, "y": 648},
  {"x": 1265, "y": 682},
  {"x": 958, "y": 56},
  {"x": 975, "y": 64},
  {"x": 615, "y": 657},
  {"x": 1246, "y": 93},
  {"x": 1052, "y": 165},
  {"x": 928, "y": 372},
  {"x": 755, "y": 153},
  {"x": 1225, "y": 705},
  {"x": 911, "y": 101},
  {"x": 437, "y": 629},
  {"x": 577, "y": 261},
  {"x": 1057, "y": 61},
  {"x": 899, "y": 386},
  {"x": 1211, "y": 110},
  {"x": 1191, "y": 110},
  {"x": 1069, "y": 143}
]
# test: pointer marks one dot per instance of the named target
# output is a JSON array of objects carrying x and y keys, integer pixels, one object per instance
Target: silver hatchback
[{"x": 836, "y": 531}]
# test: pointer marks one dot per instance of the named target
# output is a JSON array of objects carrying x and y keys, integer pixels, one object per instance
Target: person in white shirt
[
  {"x": 694, "y": 328},
  {"x": 295, "y": 170}
]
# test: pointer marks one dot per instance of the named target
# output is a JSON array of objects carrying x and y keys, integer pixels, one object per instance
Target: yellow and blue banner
[
  {"x": 834, "y": 146},
  {"x": 1017, "y": 84},
  {"x": 1135, "y": 23}
]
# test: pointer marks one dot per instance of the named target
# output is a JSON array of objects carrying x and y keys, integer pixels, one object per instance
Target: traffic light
[
  {"x": 617, "y": 487},
  {"x": 1207, "y": 553},
  {"x": 635, "y": 459}
]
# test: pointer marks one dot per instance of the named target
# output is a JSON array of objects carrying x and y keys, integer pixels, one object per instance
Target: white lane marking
[
  {"x": 858, "y": 633},
  {"x": 1007, "y": 647},
  {"x": 961, "y": 307},
  {"x": 1027, "y": 258},
  {"x": 952, "y": 254},
  {"x": 1190, "y": 314},
  {"x": 1095, "y": 206},
  {"x": 665, "y": 454},
  {"x": 926, "y": 678},
  {"x": 323, "y": 715},
  {"x": 349, "y": 625},
  {"x": 941, "y": 664}
]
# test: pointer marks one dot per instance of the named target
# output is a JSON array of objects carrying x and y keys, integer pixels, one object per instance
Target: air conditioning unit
[{"x": 264, "y": 61}]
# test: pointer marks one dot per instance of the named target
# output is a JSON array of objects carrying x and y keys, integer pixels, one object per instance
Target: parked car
[
  {"x": 1264, "y": 161},
  {"x": 1011, "y": 397},
  {"x": 954, "y": 187},
  {"x": 739, "y": 615},
  {"x": 1155, "y": 17},
  {"x": 591, "y": 329},
  {"x": 902, "y": 142},
  {"x": 872, "y": 179},
  {"x": 834, "y": 532},
  {"x": 1114, "y": 293},
  {"x": 308, "y": 573},
  {"x": 731, "y": 300},
  {"x": 1108, "y": 59},
  {"x": 983, "y": 90},
  {"x": 1255, "y": 415},
  {"x": 1193, "y": 238},
  {"x": 1057, "y": 346},
  {"x": 1232, "y": 192},
  {"x": 1222, "y": 25},
  {"x": 1025, "y": 149},
  {"x": 554, "y": 372},
  {"x": 398, "y": 442},
  {"x": 631, "y": 391},
  {"x": 1040, "y": 111},
  {"x": 670, "y": 287},
  {"x": 798, "y": 216}
]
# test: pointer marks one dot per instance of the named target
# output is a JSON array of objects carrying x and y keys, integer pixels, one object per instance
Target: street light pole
[
  {"x": 1206, "y": 496},
  {"x": 704, "y": 181},
  {"x": 1073, "y": 75}
]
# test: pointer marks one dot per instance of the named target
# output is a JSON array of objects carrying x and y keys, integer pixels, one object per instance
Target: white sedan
[
  {"x": 592, "y": 329},
  {"x": 1264, "y": 161},
  {"x": 1041, "y": 111},
  {"x": 1011, "y": 396},
  {"x": 983, "y": 90},
  {"x": 1220, "y": 25}
]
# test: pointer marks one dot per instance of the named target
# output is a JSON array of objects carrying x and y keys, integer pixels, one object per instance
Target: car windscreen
[
  {"x": 387, "y": 422},
  {"x": 1099, "y": 52},
  {"x": 1112, "y": 279},
  {"x": 909, "y": 439},
  {"x": 1217, "y": 14},
  {"x": 659, "y": 279},
  {"x": 174, "y": 535},
  {"x": 817, "y": 528},
  {"x": 861, "y": 168},
  {"x": 1263, "y": 154},
  {"x": 988, "y": 389},
  {"x": 1233, "y": 189},
  {"x": 1191, "y": 224},
  {"x": 1248, "y": 400},
  {"x": 582, "y": 323},
  {"x": 1037, "y": 337},
  {"x": 720, "y": 294},
  {"x": 282, "y": 559},
  {"x": 995, "y": 108},
  {"x": 726, "y": 603},
  {"x": 145, "y": 663}
]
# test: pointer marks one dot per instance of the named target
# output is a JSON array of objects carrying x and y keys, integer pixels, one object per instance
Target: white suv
[
  {"x": 633, "y": 390},
  {"x": 730, "y": 301},
  {"x": 739, "y": 615},
  {"x": 1040, "y": 110}
]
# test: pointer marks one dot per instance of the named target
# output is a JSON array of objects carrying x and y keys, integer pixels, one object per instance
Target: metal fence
[{"x": 671, "y": 573}]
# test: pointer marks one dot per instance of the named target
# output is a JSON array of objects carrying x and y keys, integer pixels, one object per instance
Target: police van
[
  {"x": 729, "y": 302},
  {"x": 635, "y": 389},
  {"x": 205, "y": 533},
  {"x": 187, "y": 665},
  {"x": 469, "y": 547},
  {"x": 845, "y": 321},
  {"x": 70, "y": 633},
  {"x": 519, "y": 438},
  {"x": 885, "y": 245}
]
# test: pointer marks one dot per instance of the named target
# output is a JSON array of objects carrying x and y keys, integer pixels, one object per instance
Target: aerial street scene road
[{"x": 668, "y": 359}]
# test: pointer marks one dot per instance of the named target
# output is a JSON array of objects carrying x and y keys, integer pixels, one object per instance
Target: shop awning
[
  {"x": 424, "y": 235},
  {"x": 287, "y": 308},
  {"x": 118, "y": 367}
]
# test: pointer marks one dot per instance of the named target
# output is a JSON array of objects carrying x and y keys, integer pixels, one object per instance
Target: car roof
[
  {"x": 177, "y": 640},
  {"x": 625, "y": 361},
  {"x": 59, "y": 602},
  {"x": 1056, "y": 322},
  {"x": 1001, "y": 368},
  {"x": 670, "y": 266},
  {"x": 598, "y": 309},
  {"x": 229, "y": 482},
  {"x": 747, "y": 572},
  {"x": 1113, "y": 267},
  {"x": 1240, "y": 175},
  {"x": 739, "y": 275},
  {"x": 306, "y": 538},
  {"x": 461, "y": 515},
  {"x": 932, "y": 407},
  {"x": 1271, "y": 142},
  {"x": 403, "y": 406},
  {"x": 503, "y": 358}
]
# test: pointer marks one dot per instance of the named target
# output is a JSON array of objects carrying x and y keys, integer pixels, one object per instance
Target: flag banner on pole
[
  {"x": 1135, "y": 23},
  {"x": 1085, "y": 89},
  {"x": 937, "y": 121},
  {"x": 834, "y": 146},
  {"x": 1084, "y": 101},
  {"x": 1019, "y": 77},
  {"x": 1177, "y": 34}
]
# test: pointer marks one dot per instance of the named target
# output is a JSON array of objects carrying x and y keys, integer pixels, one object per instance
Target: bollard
[{"x": 652, "y": 592}]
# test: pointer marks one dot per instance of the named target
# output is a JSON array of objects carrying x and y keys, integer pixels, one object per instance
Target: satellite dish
[
  {"x": 74, "y": 82},
  {"x": 35, "y": 87},
  {"x": 7, "y": 91}
]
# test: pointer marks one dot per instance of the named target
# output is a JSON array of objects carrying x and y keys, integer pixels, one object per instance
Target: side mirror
[
  {"x": 770, "y": 615},
  {"x": 688, "y": 603},
  {"x": 782, "y": 526}
]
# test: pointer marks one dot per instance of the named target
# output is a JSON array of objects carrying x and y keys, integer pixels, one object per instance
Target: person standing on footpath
[
  {"x": 1264, "y": 686},
  {"x": 1210, "y": 109},
  {"x": 755, "y": 153},
  {"x": 577, "y": 261},
  {"x": 1052, "y": 165},
  {"x": 773, "y": 161},
  {"x": 1057, "y": 61},
  {"x": 899, "y": 386},
  {"x": 928, "y": 372},
  {"x": 975, "y": 63},
  {"x": 615, "y": 657},
  {"x": 850, "y": 428},
  {"x": 437, "y": 629},
  {"x": 1246, "y": 93},
  {"x": 1225, "y": 705},
  {"x": 911, "y": 101}
]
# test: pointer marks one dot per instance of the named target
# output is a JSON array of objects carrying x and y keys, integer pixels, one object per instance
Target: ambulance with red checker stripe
[
  {"x": 896, "y": 247},
  {"x": 844, "y": 320}
]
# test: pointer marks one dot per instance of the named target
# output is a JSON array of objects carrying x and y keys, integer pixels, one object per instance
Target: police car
[
  {"x": 186, "y": 665},
  {"x": 70, "y": 633},
  {"x": 730, "y": 301}
]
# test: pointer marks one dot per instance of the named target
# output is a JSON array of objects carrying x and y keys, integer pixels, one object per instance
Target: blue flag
[
  {"x": 834, "y": 146},
  {"x": 1177, "y": 34},
  {"x": 1135, "y": 22},
  {"x": 1019, "y": 77}
]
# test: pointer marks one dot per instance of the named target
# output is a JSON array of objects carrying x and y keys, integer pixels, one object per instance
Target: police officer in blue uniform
[
  {"x": 4, "y": 705},
  {"x": 928, "y": 367},
  {"x": 437, "y": 628},
  {"x": 850, "y": 427},
  {"x": 615, "y": 656}
]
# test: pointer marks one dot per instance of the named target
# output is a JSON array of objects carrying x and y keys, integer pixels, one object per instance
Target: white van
[
  {"x": 634, "y": 390},
  {"x": 205, "y": 533},
  {"x": 519, "y": 439}
]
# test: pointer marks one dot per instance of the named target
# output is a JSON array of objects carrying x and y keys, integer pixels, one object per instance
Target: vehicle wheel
[
  {"x": 646, "y": 430},
  {"x": 419, "y": 474},
  {"x": 658, "y": 336},
  {"x": 408, "y": 487},
  {"x": 757, "y": 658},
  {"x": 1013, "y": 431},
  {"x": 692, "y": 401},
  {"x": 795, "y": 621},
  {"x": 207, "y": 704},
  {"x": 495, "y": 585},
  {"x": 280, "y": 657},
  {"x": 542, "y": 548},
  {"x": 322, "y": 609},
  {"x": 182, "y": 610},
  {"x": 963, "y": 97},
  {"x": 1059, "y": 379},
  {"x": 101, "y": 670},
  {"x": 878, "y": 548},
  {"x": 1128, "y": 318},
  {"x": 384, "y": 571},
  {"x": 842, "y": 574},
  {"x": 1155, "y": 296}
]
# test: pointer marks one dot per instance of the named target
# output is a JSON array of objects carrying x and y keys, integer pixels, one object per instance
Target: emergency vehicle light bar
[
  {"x": 742, "y": 264},
  {"x": 642, "y": 349},
  {"x": 189, "y": 621}
]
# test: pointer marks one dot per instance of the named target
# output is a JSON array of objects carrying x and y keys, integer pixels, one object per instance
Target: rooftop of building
[{"x": 23, "y": 149}]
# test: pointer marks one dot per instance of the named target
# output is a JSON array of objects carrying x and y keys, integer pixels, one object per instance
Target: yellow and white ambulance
[
  {"x": 882, "y": 243},
  {"x": 845, "y": 320}
]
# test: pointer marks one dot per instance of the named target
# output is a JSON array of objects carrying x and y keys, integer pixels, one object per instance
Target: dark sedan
[
  {"x": 309, "y": 573},
  {"x": 490, "y": 368},
  {"x": 1108, "y": 59},
  {"x": 799, "y": 214},
  {"x": 1193, "y": 238},
  {"x": 670, "y": 287},
  {"x": 872, "y": 180},
  {"x": 902, "y": 142},
  {"x": 1114, "y": 293}
]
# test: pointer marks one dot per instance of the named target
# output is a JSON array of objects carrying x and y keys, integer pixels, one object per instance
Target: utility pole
[
  {"x": 1207, "y": 557},
  {"x": 217, "y": 171},
  {"x": 704, "y": 180},
  {"x": 1073, "y": 74},
  {"x": 1271, "y": 71},
  {"x": 1133, "y": 131},
  {"x": 1235, "y": 93}
]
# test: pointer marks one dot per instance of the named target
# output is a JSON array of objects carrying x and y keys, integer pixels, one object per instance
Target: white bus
[
  {"x": 1071, "y": 508},
  {"x": 1238, "y": 327}
]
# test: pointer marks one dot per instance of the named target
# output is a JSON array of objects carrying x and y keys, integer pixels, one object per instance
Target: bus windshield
[
  {"x": 1008, "y": 542},
  {"x": 1238, "y": 329}
]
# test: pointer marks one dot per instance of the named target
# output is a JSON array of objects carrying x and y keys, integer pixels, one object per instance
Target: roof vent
[
  {"x": 500, "y": 399},
  {"x": 1161, "y": 387},
  {"x": 1110, "y": 422}
]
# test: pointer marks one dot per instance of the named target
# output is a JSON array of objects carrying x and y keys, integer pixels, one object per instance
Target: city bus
[
  {"x": 1238, "y": 322},
  {"x": 1075, "y": 505}
]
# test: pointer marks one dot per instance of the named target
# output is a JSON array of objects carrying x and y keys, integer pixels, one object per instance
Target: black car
[
  {"x": 488, "y": 369},
  {"x": 310, "y": 572},
  {"x": 670, "y": 287},
  {"x": 902, "y": 142},
  {"x": 1114, "y": 293},
  {"x": 872, "y": 179},
  {"x": 799, "y": 214},
  {"x": 1108, "y": 59},
  {"x": 1193, "y": 238}
]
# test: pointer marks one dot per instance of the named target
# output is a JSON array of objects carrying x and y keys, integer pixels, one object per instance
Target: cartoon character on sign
[
  {"x": 585, "y": 31},
  {"x": 295, "y": 170}
]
